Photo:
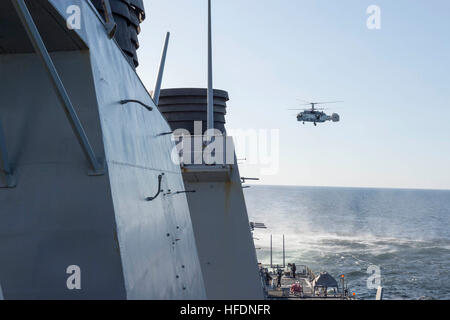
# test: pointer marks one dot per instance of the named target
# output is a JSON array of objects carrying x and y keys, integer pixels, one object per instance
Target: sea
[{"x": 401, "y": 235}]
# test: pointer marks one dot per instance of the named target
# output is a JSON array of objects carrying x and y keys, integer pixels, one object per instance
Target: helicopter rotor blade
[
  {"x": 308, "y": 109},
  {"x": 328, "y": 102},
  {"x": 306, "y": 101},
  {"x": 317, "y": 103}
]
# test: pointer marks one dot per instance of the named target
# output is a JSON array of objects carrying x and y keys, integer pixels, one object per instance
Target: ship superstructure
[{"x": 92, "y": 204}]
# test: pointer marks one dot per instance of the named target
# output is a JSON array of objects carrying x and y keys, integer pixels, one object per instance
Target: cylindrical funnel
[
  {"x": 128, "y": 15},
  {"x": 182, "y": 107}
]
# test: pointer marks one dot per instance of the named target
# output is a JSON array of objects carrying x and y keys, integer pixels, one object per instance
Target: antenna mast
[
  {"x": 210, "y": 110},
  {"x": 271, "y": 265},
  {"x": 158, "y": 84}
]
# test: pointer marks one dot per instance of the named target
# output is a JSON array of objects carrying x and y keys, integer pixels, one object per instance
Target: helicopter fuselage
[{"x": 317, "y": 117}]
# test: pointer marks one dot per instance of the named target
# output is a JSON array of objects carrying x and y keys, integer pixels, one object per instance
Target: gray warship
[
  {"x": 92, "y": 204},
  {"x": 88, "y": 186}
]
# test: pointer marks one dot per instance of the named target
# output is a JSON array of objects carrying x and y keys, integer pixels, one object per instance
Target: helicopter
[{"x": 316, "y": 115}]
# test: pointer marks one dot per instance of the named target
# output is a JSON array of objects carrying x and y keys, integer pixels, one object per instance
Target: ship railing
[
  {"x": 310, "y": 273},
  {"x": 303, "y": 270}
]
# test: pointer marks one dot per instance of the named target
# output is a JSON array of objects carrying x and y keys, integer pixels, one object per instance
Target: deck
[{"x": 285, "y": 293}]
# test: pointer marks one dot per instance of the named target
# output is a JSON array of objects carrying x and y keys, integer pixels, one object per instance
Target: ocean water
[{"x": 406, "y": 233}]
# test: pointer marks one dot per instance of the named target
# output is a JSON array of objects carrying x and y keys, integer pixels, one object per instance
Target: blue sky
[{"x": 395, "y": 122}]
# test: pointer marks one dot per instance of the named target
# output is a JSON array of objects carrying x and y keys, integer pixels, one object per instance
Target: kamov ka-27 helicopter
[{"x": 316, "y": 115}]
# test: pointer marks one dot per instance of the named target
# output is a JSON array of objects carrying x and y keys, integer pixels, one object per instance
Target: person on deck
[
  {"x": 268, "y": 278},
  {"x": 294, "y": 269},
  {"x": 279, "y": 275}
]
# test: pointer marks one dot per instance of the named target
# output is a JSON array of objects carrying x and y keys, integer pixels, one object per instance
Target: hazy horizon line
[{"x": 347, "y": 187}]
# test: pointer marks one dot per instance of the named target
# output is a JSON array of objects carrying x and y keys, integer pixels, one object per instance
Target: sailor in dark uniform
[{"x": 279, "y": 275}]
